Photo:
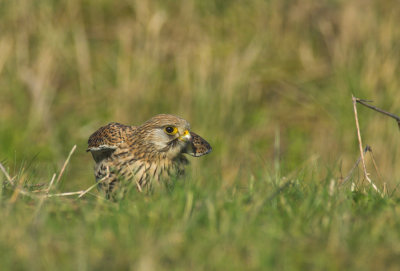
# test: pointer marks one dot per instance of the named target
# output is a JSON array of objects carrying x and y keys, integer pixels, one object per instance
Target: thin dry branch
[
  {"x": 364, "y": 103},
  {"x": 366, "y": 175}
]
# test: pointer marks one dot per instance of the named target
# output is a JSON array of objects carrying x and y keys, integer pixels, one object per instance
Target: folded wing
[{"x": 106, "y": 139}]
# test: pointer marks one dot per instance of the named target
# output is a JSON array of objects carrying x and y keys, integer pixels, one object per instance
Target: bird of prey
[{"x": 143, "y": 155}]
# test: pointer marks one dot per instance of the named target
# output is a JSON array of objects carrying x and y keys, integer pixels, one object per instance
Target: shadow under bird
[{"x": 143, "y": 155}]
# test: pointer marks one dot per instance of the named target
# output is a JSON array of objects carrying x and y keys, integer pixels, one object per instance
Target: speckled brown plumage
[
  {"x": 107, "y": 138},
  {"x": 143, "y": 155},
  {"x": 198, "y": 146}
]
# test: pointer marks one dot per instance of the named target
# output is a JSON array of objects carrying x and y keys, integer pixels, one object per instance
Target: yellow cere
[{"x": 185, "y": 136}]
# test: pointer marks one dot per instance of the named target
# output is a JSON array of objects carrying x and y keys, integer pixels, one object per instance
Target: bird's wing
[
  {"x": 198, "y": 146},
  {"x": 106, "y": 139}
]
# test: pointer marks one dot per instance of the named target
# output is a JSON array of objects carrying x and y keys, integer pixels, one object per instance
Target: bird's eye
[{"x": 170, "y": 130}]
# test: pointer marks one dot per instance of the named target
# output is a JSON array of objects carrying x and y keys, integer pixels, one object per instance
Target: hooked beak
[{"x": 186, "y": 137}]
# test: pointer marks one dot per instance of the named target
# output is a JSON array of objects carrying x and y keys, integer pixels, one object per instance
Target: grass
[
  {"x": 310, "y": 224},
  {"x": 267, "y": 83}
]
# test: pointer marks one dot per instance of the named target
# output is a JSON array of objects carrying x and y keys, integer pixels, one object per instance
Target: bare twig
[
  {"x": 65, "y": 164},
  {"x": 366, "y": 175},
  {"x": 364, "y": 103}
]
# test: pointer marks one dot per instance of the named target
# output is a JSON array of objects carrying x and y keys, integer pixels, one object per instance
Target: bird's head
[{"x": 166, "y": 134}]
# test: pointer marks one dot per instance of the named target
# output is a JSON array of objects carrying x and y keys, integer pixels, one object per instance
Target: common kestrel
[{"x": 142, "y": 155}]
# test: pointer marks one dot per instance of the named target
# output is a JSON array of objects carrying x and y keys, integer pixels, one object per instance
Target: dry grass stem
[
  {"x": 65, "y": 194},
  {"x": 17, "y": 190},
  {"x": 42, "y": 198},
  {"x": 26, "y": 193},
  {"x": 65, "y": 164},
  {"x": 51, "y": 183},
  {"x": 96, "y": 184},
  {"x": 2, "y": 168},
  {"x": 366, "y": 174},
  {"x": 90, "y": 188},
  {"x": 367, "y": 148},
  {"x": 375, "y": 165}
]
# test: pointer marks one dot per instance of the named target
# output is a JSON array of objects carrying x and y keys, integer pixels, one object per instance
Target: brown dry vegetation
[{"x": 238, "y": 72}]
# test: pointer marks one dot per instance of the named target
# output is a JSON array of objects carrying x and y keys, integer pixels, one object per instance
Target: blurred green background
[
  {"x": 267, "y": 83},
  {"x": 247, "y": 75}
]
